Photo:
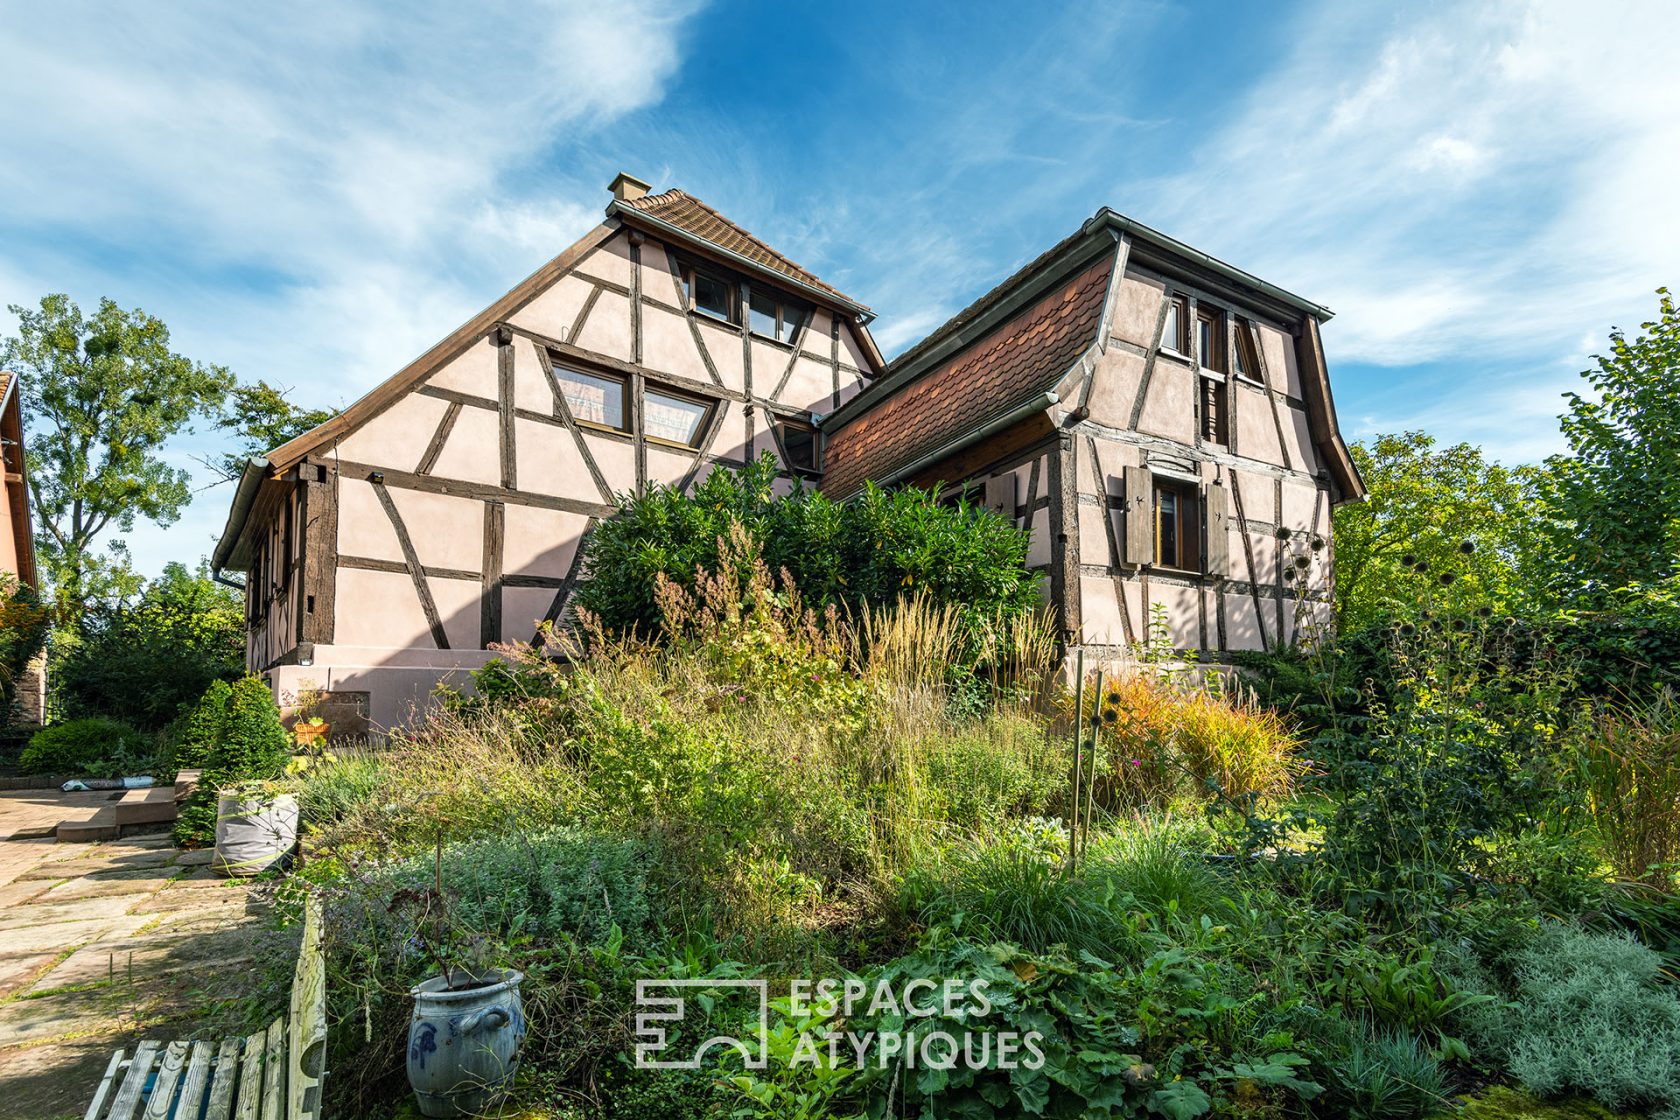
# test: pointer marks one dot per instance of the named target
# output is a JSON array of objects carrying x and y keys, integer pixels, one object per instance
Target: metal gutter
[
  {"x": 1149, "y": 235},
  {"x": 747, "y": 264},
  {"x": 1038, "y": 404},
  {"x": 250, "y": 482}
]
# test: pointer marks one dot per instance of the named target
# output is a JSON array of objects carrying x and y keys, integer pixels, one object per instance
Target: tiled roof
[
  {"x": 1021, "y": 358},
  {"x": 689, "y": 214},
  {"x": 5, "y": 383}
]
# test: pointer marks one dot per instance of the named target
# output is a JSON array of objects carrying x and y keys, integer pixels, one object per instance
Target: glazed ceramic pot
[{"x": 463, "y": 1044}]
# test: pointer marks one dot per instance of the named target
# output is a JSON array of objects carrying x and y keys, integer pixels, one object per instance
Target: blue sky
[{"x": 1480, "y": 192}]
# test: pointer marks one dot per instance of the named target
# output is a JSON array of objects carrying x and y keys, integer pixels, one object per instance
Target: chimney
[{"x": 627, "y": 188}]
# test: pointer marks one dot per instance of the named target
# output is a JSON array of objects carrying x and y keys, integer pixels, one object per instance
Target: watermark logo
[
  {"x": 653, "y": 1010},
  {"x": 938, "y": 1025}
]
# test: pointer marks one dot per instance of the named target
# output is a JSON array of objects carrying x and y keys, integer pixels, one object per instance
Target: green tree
[
  {"x": 262, "y": 419},
  {"x": 1425, "y": 503},
  {"x": 144, "y": 661},
  {"x": 101, "y": 396},
  {"x": 1615, "y": 499}
]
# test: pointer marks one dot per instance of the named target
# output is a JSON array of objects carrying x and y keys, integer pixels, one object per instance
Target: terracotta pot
[{"x": 306, "y": 733}]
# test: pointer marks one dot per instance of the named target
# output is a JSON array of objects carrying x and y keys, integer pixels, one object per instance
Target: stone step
[
  {"x": 101, "y": 826},
  {"x": 185, "y": 782},
  {"x": 147, "y": 806}
]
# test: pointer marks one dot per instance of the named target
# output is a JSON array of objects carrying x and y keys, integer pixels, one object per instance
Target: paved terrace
[{"x": 103, "y": 944}]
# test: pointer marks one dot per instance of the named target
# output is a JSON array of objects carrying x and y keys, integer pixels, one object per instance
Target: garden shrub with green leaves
[
  {"x": 233, "y": 735},
  {"x": 147, "y": 661},
  {"x": 24, "y": 624},
  {"x": 869, "y": 551},
  {"x": 99, "y": 748}
]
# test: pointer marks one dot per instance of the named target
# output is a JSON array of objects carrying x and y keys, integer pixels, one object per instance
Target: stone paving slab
[
  {"x": 102, "y": 944},
  {"x": 36, "y": 914},
  {"x": 144, "y": 881},
  {"x": 105, "y": 863},
  {"x": 114, "y": 960}
]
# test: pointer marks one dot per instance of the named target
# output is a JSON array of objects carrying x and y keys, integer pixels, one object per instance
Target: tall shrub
[
  {"x": 236, "y": 730},
  {"x": 147, "y": 661},
  {"x": 865, "y": 552},
  {"x": 23, "y": 631}
]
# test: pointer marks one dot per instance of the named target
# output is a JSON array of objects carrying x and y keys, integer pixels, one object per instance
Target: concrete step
[
  {"x": 185, "y": 782},
  {"x": 101, "y": 826},
  {"x": 147, "y": 806}
]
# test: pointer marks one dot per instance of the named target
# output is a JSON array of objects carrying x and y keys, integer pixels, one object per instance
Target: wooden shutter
[
  {"x": 1000, "y": 495},
  {"x": 1218, "y": 505},
  {"x": 1140, "y": 516}
]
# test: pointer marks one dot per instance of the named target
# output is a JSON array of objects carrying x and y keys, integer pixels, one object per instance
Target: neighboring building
[
  {"x": 443, "y": 512},
  {"x": 1160, "y": 420},
  {"x": 17, "y": 545}
]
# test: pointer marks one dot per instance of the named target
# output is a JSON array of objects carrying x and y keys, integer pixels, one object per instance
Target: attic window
[
  {"x": 593, "y": 398},
  {"x": 773, "y": 317},
  {"x": 1175, "y": 335},
  {"x": 710, "y": 293}
]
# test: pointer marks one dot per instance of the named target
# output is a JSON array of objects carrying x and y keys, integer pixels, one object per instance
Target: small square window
[
  {"x": 711, "y": 294},
  {"x": 774, "y": 318},
  {"x": 672, "y": 418},
  {"x": 799, "y": 442},
  {"x": 1177, "y": 539},
  {"x": 593, "y": 398}
]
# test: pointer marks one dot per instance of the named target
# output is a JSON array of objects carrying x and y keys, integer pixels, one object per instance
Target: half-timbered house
[
  {"x": 1160, "y": 420},
  {"x": 444, "y": 512}
]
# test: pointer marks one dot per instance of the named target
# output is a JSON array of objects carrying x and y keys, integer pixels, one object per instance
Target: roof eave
[
  {"x": 250, "y": 485},
  {"x": 1136, "y": 230},
  {"x": 913, "y": 363},
  {"x": 634, "y": 216}
]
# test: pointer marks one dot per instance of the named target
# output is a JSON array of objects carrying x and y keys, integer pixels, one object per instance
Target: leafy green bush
[
  {"x": 563, "y": 884},
  {"x": 148, "y": 661},
  {"x": 23, "y": 631},
  {"x": 235, "y": 734},
  {"x": 1591, "y": 1016},
  {"x": 193, "y": 737},
  {"x": 93, "y": 747},
  {"x": 870, "y": 550}
]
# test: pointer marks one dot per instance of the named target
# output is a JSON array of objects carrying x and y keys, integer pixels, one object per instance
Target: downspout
[{"x": 1038, "y": 404}]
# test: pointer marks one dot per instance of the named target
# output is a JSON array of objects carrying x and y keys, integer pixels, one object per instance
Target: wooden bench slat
[
  {"x": 223, "y": 1083},
  {"x": 139, "y": 1068},
  {"x": 306, "y": 1025},
  {"x": 162, "y": 1099},
  {"x": 107, "y": 1086},
  {"x": 194, "y": 1082},
  {"x": 250, "y": 1078},
  {"x": 274, "y": 1072}
]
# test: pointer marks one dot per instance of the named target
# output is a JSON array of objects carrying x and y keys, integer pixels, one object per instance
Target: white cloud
[
  {"x": 1482, "y": 184},
  {"x": 312, "y": 196}
]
